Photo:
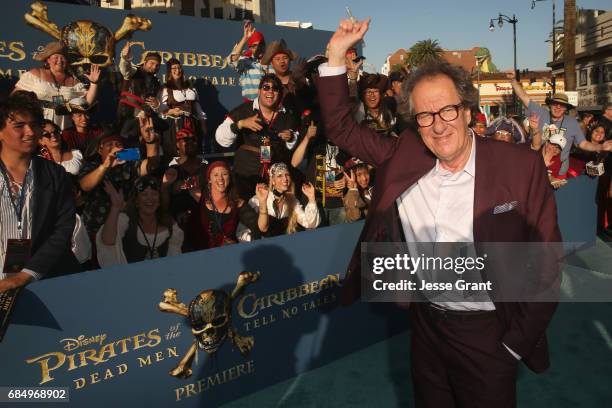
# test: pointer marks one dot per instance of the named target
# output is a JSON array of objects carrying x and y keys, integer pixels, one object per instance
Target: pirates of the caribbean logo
[
  {"x": 210, "y": 316},
  {"x": 86, "y": 41}
]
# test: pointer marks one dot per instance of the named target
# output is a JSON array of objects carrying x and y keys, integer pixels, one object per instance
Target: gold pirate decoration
[
  {"x": 210, "y": 316},
  {"x": 86, "y": 41}
]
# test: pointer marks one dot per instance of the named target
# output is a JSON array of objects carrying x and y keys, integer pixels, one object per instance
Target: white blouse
[
  {"x": 181, "y": 95},
  {"x": 308, "y": 217},
  {"x": 73, "y": 166},
  {"x": 109, "y": 255},
  {"x": 45, "y": 91}
]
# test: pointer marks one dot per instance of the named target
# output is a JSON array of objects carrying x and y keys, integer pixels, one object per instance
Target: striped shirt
[
  {"x": 251, "y": 72},
  {"x": 9, "y": 221}
]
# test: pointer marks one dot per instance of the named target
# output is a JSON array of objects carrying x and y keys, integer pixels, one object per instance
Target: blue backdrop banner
[
  {"x": 202, "y": 45},
  {"x": 103, "y": 335}
]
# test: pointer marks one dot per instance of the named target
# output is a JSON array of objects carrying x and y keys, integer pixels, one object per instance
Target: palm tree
[
  {"x": 424, "y": 51},
  {"x": 569, "y": 44}
]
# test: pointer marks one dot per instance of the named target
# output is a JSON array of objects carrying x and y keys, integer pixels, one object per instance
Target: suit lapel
[
  {"x": 42, "y": 195},
  {"x": 484, "y": 199},
  {"x": 404, "y": 172}
]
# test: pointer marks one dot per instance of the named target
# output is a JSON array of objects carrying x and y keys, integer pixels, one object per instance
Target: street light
[
  {"x": 500, "y": 22},
  {"x": 554, "y": 36}
]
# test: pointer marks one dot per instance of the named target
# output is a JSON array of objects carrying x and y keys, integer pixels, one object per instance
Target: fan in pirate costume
[
  {"x": 372, "y": 111},
  {"x": 181, "y": 107},
  {"x": 263, "y": 132},
  {"x": 279, "y": 211},
  {"x": 143, "y": 231},
  {"x": 139, "y": 90},
  {"x": 215, "y": 221}
]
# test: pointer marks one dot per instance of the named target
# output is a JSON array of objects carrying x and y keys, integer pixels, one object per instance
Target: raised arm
[
  {"x": 518, "y": 89},
  {"x": 336, "y": 108}
]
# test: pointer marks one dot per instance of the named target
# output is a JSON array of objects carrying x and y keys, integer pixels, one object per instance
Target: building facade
[
  {"x": 593, "y": 59},
  {"x": 495, "y": 90},
  {"x": 260, "y": 11}
]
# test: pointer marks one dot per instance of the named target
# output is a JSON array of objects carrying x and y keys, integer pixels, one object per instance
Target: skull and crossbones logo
[
  {"x": 210, "y": 317},
  {"x": 86, "y": 41}
]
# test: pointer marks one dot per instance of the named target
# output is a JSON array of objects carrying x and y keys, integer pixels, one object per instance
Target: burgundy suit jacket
[{"x": 504, "y": 173}]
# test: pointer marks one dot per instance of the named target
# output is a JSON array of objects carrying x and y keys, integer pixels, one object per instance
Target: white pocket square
[{"x": 499, "y": 209}]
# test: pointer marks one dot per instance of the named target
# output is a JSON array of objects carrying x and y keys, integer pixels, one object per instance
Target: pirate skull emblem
[
  {"x": 210, "y": 316},
  {"x": 86, "y": 42}
]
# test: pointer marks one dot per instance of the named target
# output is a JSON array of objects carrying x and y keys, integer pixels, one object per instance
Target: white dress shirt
[{"x": 439, "y": 207}]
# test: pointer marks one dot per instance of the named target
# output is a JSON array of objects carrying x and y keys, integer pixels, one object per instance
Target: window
[
  {"x": 607, "y": 73},
  {"x": 219, "y": 12},
  {"x": 238, "y": 14},
  {"x": 248, "y": 14},
  {"x": 595, "y": 71},
  {"x": 583, "y": 78},
  {"x": 205, "y": 12}
]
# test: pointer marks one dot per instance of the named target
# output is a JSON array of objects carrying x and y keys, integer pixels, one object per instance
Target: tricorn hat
[
  {"x": 560, "y": 98},
  {"x": 54, "y": 47},
  {"x": 373, "y": 81},
  {"x": 277, "y": 47}
]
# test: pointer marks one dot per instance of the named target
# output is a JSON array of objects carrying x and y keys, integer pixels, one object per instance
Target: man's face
[
  {"x": 20, "y": 134},
  {"x": 362, "y": 177},
  {"x": 479, "y": 128},
  {"x": 187, "y": 147},
  {"x": 371, "y": 98},
  {"x": 557, "y": 110},
  {"x": 269, "y": 95},
  {"x": 81, "y": 120},
  {"x": 151, "y": 66},
  {"x": 280, "y": 63},
  {"x": 257, "y": 48},
  {"x": 447, "y": 140},
  {"x": 608, "y": 112},
  {"x": 396, "y": 87}
]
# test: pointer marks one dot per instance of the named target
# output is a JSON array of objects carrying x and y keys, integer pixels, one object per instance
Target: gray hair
[{"x": 460, "y": 77}]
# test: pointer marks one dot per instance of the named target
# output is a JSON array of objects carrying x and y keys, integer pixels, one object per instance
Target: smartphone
[{"x": 131, "y": 154}]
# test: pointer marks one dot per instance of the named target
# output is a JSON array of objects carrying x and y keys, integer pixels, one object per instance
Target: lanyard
[
  {"x": 17, "y": 206},
  {"x": 152, "y": 249},
  {"x": 552, "y": 122}
]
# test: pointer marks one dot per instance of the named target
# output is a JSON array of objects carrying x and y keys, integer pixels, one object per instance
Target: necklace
[
  {"x": 151, "y": 249},
  {"x": 56, "y": 82}
]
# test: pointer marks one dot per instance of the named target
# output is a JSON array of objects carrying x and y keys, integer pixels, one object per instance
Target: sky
[{"x": 455, "y": 24}]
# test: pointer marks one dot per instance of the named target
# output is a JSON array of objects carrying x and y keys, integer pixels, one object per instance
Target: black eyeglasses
[
  {"x": 269, "y": 88},
  {"x": 447, "y": 113}
]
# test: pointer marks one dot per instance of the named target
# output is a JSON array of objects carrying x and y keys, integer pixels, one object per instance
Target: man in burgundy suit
[{"x": 445, "y": 185}]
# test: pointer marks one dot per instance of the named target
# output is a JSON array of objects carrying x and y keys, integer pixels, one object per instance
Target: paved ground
[{"x": 580, "y": 340}]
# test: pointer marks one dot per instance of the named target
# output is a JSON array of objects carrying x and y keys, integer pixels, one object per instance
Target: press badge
[
  {"x": 17, "y": 254},
  {"x": 57, "y": 100}
]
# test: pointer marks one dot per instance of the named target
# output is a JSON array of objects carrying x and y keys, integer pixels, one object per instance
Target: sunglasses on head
[
  {"x": 144, "y": 183},
  {"x": 268, "y": 88}
]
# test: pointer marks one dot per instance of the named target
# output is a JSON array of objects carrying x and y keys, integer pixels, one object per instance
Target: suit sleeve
[
  {"x": 527, "y": 328},
  {"x": 59, "y": 241},
  {"x": 341, "y": 128}
]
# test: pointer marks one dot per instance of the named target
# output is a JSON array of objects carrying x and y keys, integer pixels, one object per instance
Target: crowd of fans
[{"x": 143, "y": 189}]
